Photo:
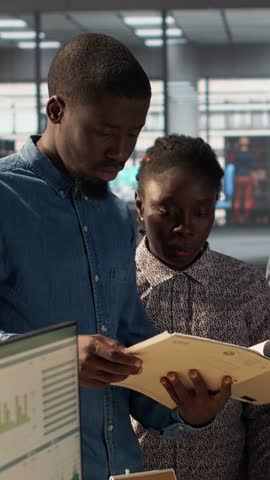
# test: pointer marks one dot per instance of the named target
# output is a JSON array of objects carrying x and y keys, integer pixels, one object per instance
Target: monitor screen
[{"x": 39, "y": 406}]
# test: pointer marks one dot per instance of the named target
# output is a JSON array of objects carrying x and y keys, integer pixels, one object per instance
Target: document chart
[{"x": 39, "y": 407}]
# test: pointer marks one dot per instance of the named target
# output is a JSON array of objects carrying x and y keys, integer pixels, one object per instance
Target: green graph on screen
[
  {"x": 14, "y": 416},
  {"x": 75, "y": 476}
]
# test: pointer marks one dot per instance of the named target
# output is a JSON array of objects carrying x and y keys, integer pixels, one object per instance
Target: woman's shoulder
[{"x": 236, "y": 269}]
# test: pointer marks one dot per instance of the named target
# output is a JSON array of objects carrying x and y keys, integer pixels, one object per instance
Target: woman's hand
[{"x": 198, "y": 406}]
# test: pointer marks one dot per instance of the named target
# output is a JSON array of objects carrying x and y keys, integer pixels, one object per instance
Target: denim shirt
[{"x": 65, "y": 256}]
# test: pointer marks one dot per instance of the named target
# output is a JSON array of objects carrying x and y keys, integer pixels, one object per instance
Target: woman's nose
[{"x": 183, "y": 226}]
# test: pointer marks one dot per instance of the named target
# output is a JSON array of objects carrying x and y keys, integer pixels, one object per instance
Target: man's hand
[
  {"x": 103, "y": 360},
  {"x": 197, "y": 406}
]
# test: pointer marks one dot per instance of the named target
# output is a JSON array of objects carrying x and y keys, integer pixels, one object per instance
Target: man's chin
[{"x": 94, "y": 187}]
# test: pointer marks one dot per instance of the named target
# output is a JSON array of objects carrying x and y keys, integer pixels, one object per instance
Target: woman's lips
[{"x": 182, "y": 253}]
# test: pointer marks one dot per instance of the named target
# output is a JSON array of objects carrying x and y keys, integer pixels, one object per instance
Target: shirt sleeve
[
  {"x": 257, "y": 418},
  {"x": 158, "y": 419}
]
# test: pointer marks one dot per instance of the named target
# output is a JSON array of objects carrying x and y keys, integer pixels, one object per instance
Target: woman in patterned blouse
[{"x": 186, "y": 287}]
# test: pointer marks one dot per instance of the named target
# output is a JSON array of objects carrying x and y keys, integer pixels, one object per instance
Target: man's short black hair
[{"x": 91, "y": 65}]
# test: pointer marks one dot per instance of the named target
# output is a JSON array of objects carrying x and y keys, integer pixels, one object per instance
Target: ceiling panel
[
  {"x": 249, "y": 25},
  {"x": 109, "y": 23},
  {"x": 202, "y": 26}
]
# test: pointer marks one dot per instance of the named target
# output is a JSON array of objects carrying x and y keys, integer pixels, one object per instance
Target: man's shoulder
[{"x": 11, "y": 163}]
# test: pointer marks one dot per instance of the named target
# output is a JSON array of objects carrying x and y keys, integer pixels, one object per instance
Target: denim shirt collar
[{"x": 44, "y": 168}]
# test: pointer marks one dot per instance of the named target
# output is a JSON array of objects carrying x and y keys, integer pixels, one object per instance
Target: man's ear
[
  {"x": 139, "y": 206},
  {"x": 55, "y": 109}
]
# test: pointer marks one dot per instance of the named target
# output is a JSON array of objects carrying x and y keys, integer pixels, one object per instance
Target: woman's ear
[
  {"x": 55, "y": 109},
  {"x": 139, "y": 207}
]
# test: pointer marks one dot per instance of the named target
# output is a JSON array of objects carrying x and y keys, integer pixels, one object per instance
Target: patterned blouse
[{"x": 225, "y": 299}]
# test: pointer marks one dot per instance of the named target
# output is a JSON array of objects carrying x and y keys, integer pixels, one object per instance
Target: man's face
[{"x": 94, "y": 141}]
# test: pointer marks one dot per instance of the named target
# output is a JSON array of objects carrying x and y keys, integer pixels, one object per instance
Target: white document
[{"x": 249, "y": 369}]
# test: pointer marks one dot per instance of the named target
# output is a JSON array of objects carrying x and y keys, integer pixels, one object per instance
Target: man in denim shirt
[{"x": 67, "y": 249}]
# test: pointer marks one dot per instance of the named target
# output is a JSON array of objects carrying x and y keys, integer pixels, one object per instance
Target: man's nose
[{"x": 117, "y": 149}]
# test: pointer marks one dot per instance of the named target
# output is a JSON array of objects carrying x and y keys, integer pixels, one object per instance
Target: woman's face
[{"x": 178, "y": 209}]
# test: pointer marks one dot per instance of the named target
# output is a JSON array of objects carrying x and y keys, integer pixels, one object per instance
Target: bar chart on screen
[{"x": 39, "y": 408}]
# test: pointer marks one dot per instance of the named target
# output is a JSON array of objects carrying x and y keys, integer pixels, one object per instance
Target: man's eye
[
  {"x": 133, "y": 134},
  {"x": 163, "y": 211},
  {"x": 102, "y": 133}
]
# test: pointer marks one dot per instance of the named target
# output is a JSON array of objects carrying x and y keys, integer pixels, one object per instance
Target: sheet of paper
[
  {"x": 180, "y": 353},
  {"x": 154, "y": 475}
]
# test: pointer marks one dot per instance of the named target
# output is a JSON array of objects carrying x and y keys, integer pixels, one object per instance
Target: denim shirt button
[
  {"x": 104, "y": 328},
  {"x": 85, "y": 228},
  {"x": 61, "y": 193},
  {"x": 96, "y": 278},
  {"x": 110, "y": 428}
]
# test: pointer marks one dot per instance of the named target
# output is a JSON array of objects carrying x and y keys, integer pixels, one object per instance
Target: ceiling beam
[
  {"x": 29, "y": 6},
  {"x": 226, "y": 26}
]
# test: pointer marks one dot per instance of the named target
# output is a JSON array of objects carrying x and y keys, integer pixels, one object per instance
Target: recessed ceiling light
[
  {"x": 12, "y": 23},
  {"x": 46, "y": 45},
  {"x": 177, "y": 41},
  {"x": 26, "y": 35},
  {"x": 141, "y": 21},
  {"x": 157, "y": 32},
  {"x": 158, "y": 42},
  {"x": 148, "y": 32},
  {"x": 153, "y": 42},
  {"x": 174, "y": 32}
]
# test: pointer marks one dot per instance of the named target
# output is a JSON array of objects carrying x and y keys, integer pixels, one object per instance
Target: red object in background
[{"x": 243, "y": 198}]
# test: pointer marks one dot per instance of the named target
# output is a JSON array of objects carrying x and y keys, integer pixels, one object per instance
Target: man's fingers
[
  {"x": 112, "y": 351},
  {"x": 101, "y": 364}
]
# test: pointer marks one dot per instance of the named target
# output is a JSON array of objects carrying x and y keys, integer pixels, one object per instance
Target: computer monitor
[{"x": 39, "y": 406}]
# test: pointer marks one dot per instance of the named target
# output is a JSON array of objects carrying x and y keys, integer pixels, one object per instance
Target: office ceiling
[{"x": 205, "y": 26}]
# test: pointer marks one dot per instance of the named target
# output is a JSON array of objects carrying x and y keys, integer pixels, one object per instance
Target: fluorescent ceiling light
[
  {"x": 174, "y": 32},
  {"x": 153, "y": 42},
  {"x": 149, "y": 32},
  {"x": 158, "y": 42},
  {"x": 27, "y": 35},
  {"x": 12, "y": 23},
  {"x": 157, "y": 32},
  {"x": 177, "y": 41},
  {"x": 31, "y": 45},
  {"x": 141, "y": 21}
]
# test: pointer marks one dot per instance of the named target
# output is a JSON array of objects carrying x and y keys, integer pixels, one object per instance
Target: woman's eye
[{"x": 203, "y": 213}]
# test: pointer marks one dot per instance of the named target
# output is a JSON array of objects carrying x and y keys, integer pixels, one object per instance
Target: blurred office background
[{"x": 210, "y": 76}]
